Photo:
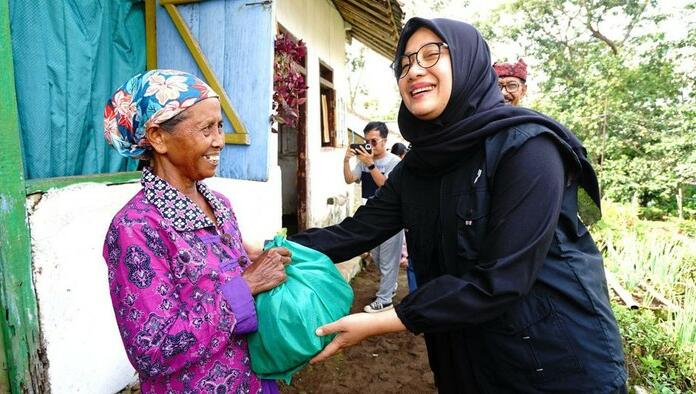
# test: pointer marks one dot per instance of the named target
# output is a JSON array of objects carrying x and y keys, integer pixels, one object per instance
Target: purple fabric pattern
[
  {"x": 181, "y": 304},
  {"x": 239, "y": 298}
]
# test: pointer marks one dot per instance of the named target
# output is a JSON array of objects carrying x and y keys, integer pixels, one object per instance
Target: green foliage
[
  {"x": 660, "y": 339},
  {"x": 355, "y": 63},
  {"x": 653, "y": 359},
  {"x": 612, "y": 76}
]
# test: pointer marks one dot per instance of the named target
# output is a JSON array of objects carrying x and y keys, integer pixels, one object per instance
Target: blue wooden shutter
[{"x": 236, "y": 37}]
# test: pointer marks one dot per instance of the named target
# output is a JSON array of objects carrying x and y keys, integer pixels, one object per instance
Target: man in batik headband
[{"x": 512, "y": 79}]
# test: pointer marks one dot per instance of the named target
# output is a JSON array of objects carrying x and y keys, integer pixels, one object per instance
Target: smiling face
[
  {"x": 190, "y": 151},
  {"x": 513, "y": 89},
  {"x": 426, "y": 91}
]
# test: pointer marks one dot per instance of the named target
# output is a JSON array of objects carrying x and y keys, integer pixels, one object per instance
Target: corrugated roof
[{"x": 375, "y": 23}]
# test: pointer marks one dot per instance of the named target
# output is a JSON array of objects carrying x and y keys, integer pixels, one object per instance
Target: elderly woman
[{"x": 181, "y": 281}]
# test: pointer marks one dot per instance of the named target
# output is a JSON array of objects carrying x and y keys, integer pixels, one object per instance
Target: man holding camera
[{"x": 373, "y": 166}]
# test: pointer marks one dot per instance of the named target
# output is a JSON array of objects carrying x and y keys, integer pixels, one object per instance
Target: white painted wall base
[{"x": 68, "y": 225}]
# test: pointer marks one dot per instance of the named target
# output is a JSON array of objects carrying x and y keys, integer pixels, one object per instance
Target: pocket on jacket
[
  {"x": 472, "y": 219},
  {"x": 531, "y": 339}
]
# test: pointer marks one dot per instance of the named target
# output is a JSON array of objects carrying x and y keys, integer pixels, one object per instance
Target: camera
[{"x": 356, "y": 147}]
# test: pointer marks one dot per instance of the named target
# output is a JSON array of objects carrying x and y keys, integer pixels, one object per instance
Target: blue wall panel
[{"x": 237, "y": 39}]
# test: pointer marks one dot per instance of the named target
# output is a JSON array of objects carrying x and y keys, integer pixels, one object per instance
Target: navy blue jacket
[{"x": 512, "y": 293}]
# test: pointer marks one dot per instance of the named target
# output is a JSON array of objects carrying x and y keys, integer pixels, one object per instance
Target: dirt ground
[{"x": 394, "y": 363}]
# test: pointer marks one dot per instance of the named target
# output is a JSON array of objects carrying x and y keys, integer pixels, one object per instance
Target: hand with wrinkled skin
[
  {"x": 353, "y": 329},
  {"x": 267, "y": 270}
]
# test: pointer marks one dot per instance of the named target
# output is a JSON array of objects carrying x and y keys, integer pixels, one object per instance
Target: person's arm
[
  {"x": 526, "y": 200},
  {"x": 163, "y": 329},
  {"x": 267, "y": 271},
  {"x": 353, "y": 329},
  {"x": 349, "y": 174},
  {"x": 268, "y": 267},
  {"x": 377, "y": 175},
  {"x": 525, "y": 206},
  {"x": 368, "y": 161},
  {"x": 372, "y": 224}
]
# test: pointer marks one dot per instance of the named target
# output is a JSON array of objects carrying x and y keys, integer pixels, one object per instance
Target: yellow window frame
[{"x": 240, "y": 135}]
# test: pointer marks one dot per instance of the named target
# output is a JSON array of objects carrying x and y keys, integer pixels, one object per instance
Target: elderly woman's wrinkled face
[
  {"x": 426, "y": 91},
  {"x": 193, "y": 146}
]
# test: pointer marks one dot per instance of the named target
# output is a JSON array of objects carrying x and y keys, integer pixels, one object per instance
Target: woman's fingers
[
  {"x": 335, "y": 346},
  {"x": 283, "y": 253},
  {"x": 330, "y": 349},
  {"x": 280, "y": 250},
  {"x": 330, "y": 328}
]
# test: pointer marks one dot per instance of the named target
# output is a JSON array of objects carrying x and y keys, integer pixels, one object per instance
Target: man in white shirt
[{"x": 371, "y": 170}]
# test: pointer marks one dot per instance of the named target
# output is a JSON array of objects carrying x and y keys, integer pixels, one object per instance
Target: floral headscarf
[{"x": 147, "y": 99}]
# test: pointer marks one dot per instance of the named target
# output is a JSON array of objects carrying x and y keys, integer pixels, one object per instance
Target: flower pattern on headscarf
[{"x": 147, "y": 99}]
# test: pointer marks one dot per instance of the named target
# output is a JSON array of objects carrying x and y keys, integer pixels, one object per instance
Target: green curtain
[{"x": 69, "y": 56}]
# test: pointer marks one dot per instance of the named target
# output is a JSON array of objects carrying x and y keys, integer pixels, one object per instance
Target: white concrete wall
[
  {"x": 68, "y": 225},
  {"x": 319, "y": 24}
]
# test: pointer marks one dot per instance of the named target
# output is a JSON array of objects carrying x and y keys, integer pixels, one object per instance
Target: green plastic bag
[{"x": 314, "y": 294}]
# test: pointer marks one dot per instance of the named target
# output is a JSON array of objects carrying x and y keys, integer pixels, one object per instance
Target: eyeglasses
[
  {"x": 511, "y": 86},
  {"x": 375, "y": 141},
  {"x": 426, "y": 57}
]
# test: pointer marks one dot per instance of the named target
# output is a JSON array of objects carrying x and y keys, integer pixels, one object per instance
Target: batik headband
[
  {"x": 148, "y": 99},
  {"x": 518, "y": 69}
]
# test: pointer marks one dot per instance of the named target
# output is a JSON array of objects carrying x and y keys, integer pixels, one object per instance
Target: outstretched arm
[
  {"x": 354, "y": 328},
  {"x": 372, "y": 224}
]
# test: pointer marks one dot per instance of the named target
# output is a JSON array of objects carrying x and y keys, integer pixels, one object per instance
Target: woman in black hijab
[{"x": 512, "y": 294}]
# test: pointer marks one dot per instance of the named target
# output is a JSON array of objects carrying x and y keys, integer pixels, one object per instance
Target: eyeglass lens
[
  {"x": 426, "y": 57},
  {"x": 510, "y": 86}
]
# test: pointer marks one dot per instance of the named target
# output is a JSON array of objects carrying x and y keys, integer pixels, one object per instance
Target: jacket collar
[{"x": 183, "y": 213}]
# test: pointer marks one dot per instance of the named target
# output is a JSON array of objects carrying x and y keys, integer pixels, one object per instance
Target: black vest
[{"x": 568, "y": 306}]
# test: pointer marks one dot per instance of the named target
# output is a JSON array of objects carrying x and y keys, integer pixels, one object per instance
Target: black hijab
[{"x": 475, "y": 109}]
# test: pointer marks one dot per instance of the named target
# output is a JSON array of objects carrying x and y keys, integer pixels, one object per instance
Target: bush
[
  {"x": 652, "y": 213},
  {"x": 660, "y": 344},
  {"x": 654, "y": 360}
]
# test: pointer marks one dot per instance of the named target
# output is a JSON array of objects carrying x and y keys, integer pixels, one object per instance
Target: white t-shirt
[{"x": 385, "y": 165}]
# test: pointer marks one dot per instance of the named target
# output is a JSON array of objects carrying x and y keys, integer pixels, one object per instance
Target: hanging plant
[{"x": 288, "y": 83}]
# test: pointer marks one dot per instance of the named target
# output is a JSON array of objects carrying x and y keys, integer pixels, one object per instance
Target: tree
[
  {"x": 355, "y": 61},
  {"x": 612, "y": 76}
]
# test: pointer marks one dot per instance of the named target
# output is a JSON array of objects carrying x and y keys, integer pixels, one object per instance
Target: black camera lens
[{"x": 368, "y": 147}]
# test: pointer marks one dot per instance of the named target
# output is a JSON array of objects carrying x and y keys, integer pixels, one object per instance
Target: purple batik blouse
[{"x": 181, "y": 304}]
